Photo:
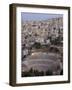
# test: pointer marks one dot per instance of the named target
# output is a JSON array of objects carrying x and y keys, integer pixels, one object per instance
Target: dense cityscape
[{"x": 42, "y": 47}]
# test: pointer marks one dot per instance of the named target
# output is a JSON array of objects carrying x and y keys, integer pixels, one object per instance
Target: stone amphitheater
[{"x": 42, "y": 61}]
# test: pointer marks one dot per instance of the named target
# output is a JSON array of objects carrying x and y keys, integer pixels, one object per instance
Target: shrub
[
  {"x": 48, "y": 72},
  {"x": 37, "y": 45}
]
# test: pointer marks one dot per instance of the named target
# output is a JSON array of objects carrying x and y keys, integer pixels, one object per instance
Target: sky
[{"x": 38, "y": 16}]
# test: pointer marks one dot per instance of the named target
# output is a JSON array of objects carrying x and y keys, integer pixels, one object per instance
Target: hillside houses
[{"x": 41, "y": 31}]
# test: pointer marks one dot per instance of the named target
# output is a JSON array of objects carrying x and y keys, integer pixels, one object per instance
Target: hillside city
[{"x": 39, "y": 36}]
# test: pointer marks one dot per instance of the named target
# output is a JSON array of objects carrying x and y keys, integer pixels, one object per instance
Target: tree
[
  {"x": 36, "y": 72},
  {"x": 41, "y": 73},
  {"x": 25, "y": 74},
  {"x": 49, "y": 72},
  {"x": 31, "y": 72},
  {"x": 61, "y": 73},
  {"x": 37, "y": 45}
]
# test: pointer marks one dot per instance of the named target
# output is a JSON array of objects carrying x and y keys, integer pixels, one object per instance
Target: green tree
[
  {"x": 61, "y": 73},
  {"x": 49, "y": 72},
  {"x": 37, "y": 45}
]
